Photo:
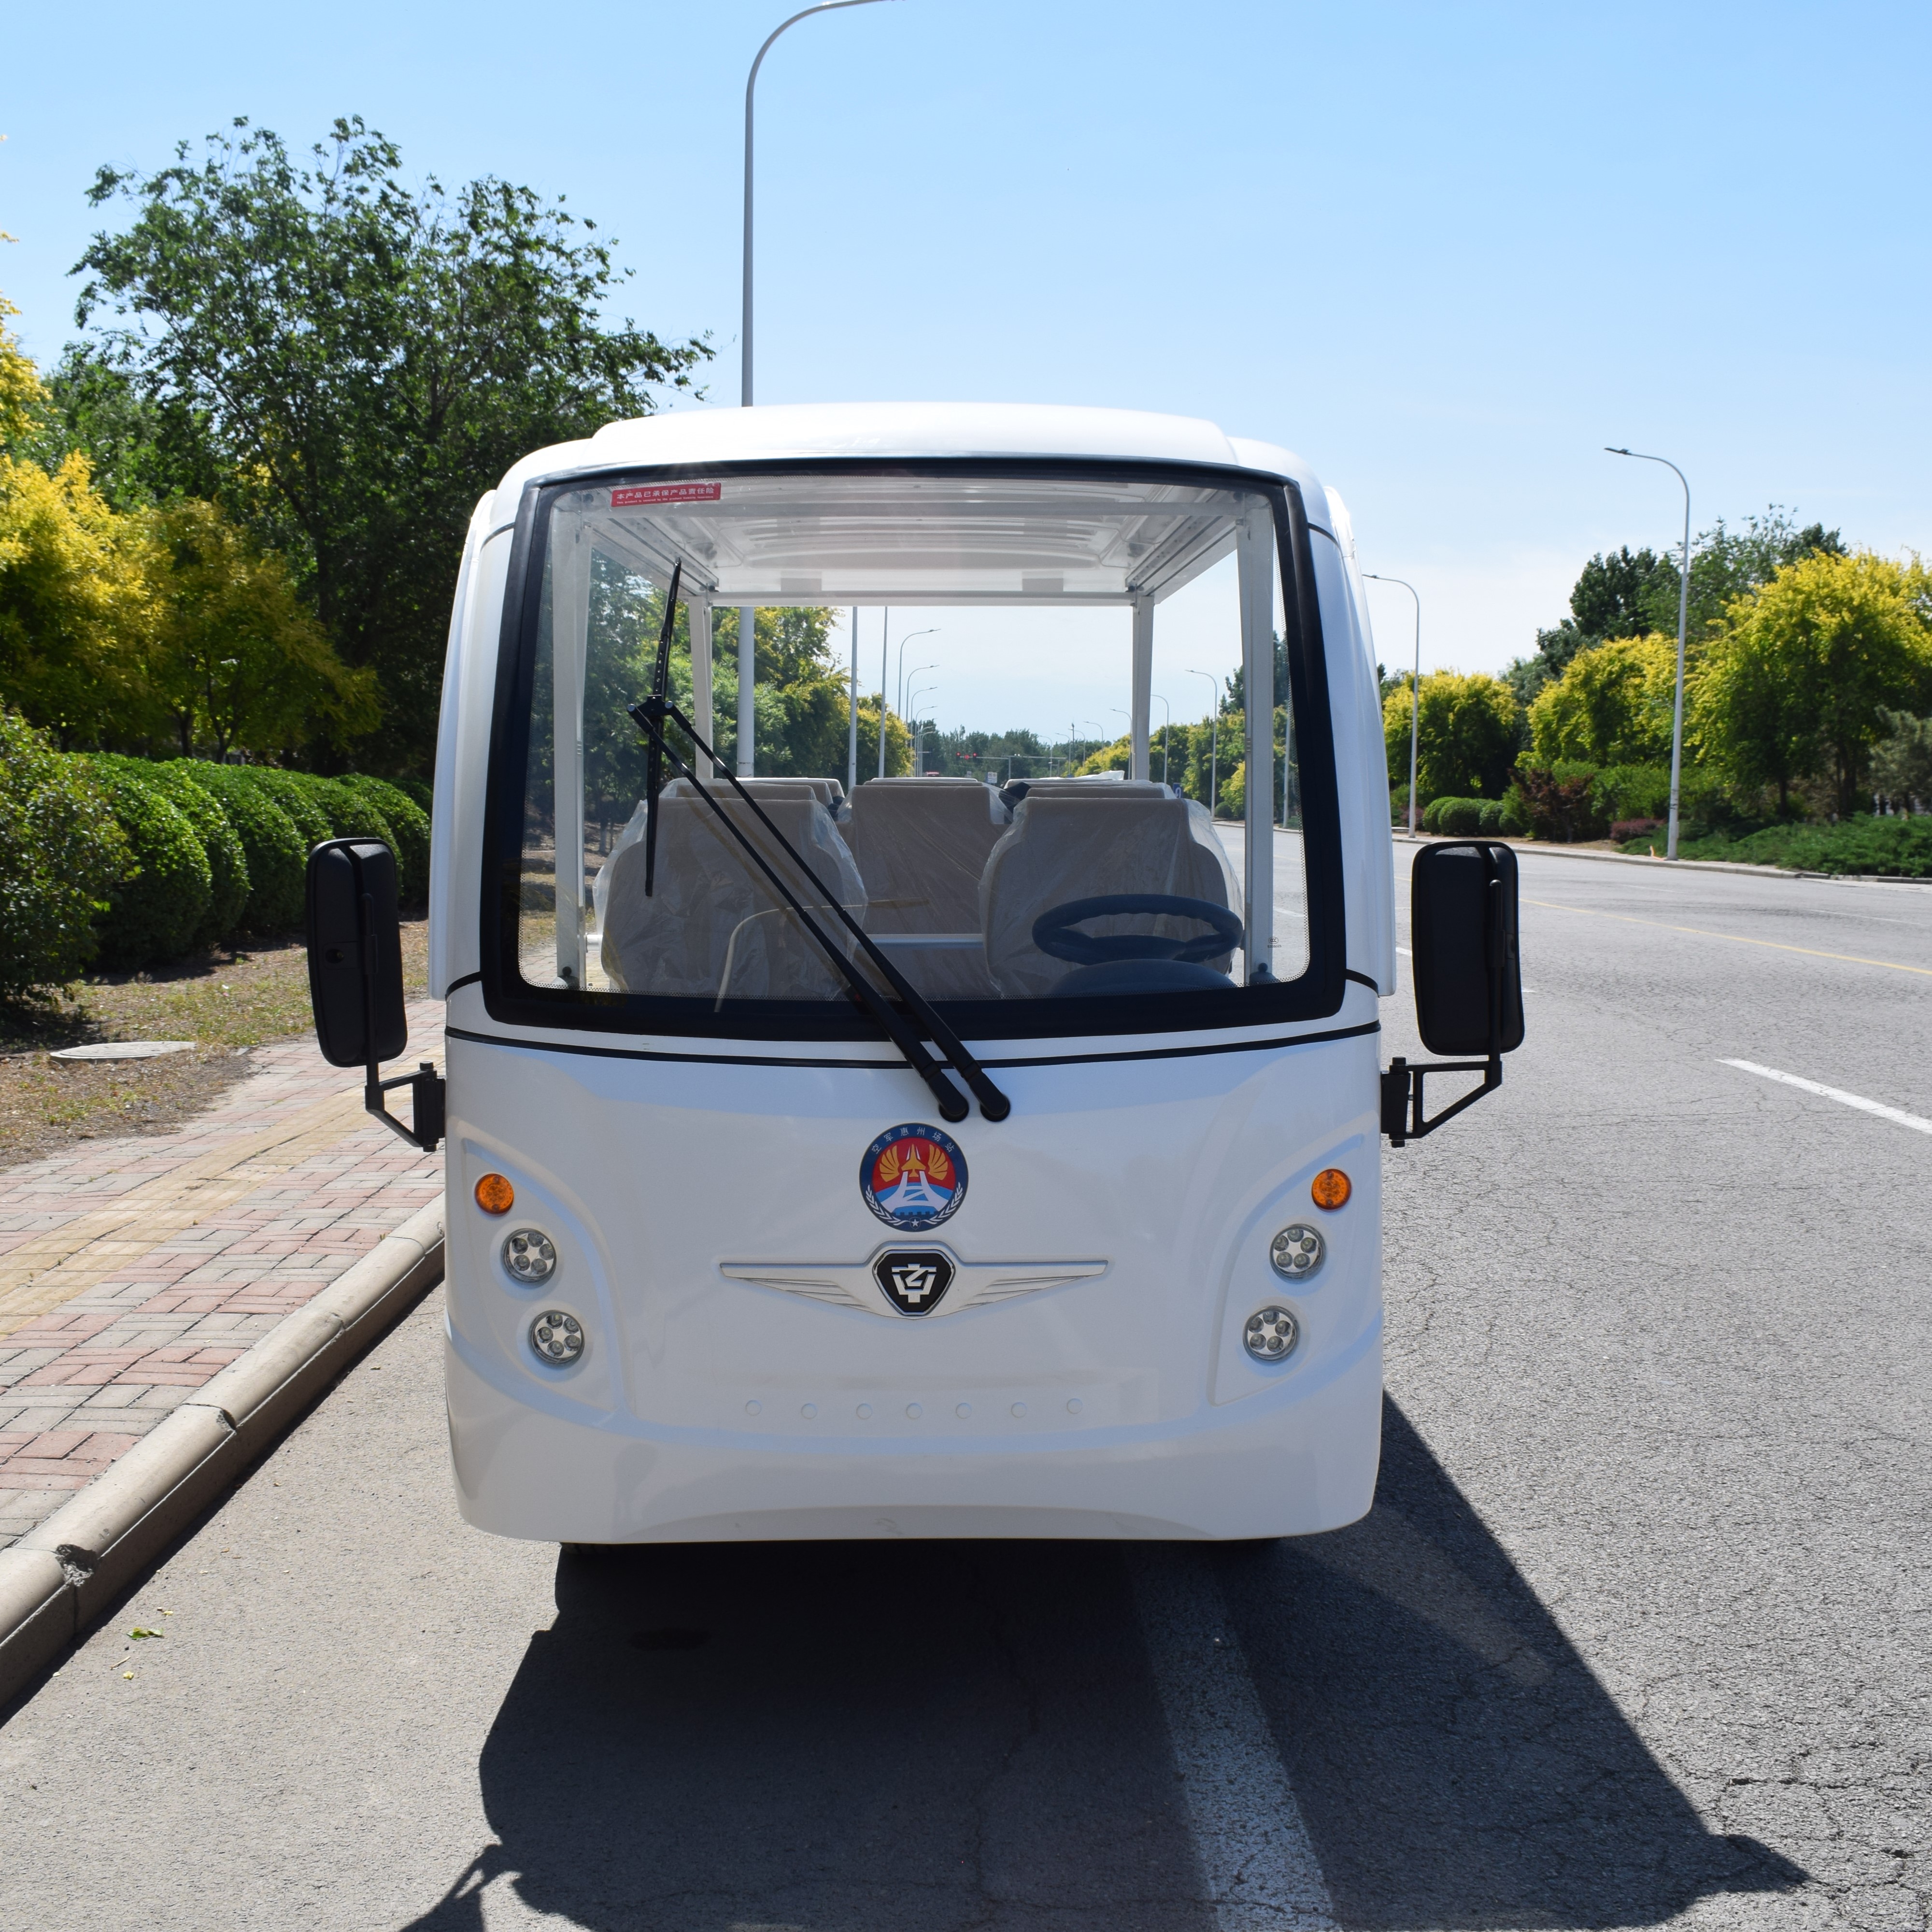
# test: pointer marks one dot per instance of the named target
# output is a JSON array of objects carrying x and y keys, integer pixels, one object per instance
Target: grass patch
[
  {"x": 1899, "y": 848},
  {"x": 227, "y": 1001}
]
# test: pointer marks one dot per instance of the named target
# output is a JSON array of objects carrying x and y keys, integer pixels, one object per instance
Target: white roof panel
[{"x": 805, "y": 431}]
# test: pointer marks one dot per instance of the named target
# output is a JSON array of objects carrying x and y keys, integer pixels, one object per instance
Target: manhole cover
[{"x": 124, "y": 1049}]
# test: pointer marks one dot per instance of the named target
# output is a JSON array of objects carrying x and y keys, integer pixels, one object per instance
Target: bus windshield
[{"x": 1025, "y": 869}]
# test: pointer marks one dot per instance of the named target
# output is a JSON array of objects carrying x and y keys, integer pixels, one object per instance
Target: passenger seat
[
  {"x": 1063, "y": 848},
  {"x": 714, "y": 927},
  {"x": 921, "y": 844}
]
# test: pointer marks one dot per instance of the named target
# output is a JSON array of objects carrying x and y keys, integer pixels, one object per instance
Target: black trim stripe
[
  {"x": 1349, "y": 972},
  {"x": 897, "y": 1067},
  {"x": 456, "y": 985}
]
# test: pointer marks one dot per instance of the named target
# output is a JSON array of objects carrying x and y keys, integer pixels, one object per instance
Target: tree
[
  {"x": 1467, "y": 741},
  {"x": 1613, "y": 706},
  {"x": 1801, "y": 679},
  {"x": 73, "y": 597},
  {"x": 351, "y": 360},
  {"x": 231, "y": 652}
]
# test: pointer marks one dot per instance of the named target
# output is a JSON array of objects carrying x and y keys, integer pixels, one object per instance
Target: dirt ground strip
[{"x": 229, "y": 1002}]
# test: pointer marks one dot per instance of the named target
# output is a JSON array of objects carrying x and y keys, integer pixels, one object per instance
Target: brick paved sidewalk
[{"x": 132, "y": 1270}]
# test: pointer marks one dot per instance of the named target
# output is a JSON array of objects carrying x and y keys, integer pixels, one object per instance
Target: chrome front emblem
[{"x": 913, "y": 1280}]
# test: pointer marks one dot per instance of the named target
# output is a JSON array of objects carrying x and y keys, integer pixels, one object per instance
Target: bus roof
[{"x": 816, "y": 431}]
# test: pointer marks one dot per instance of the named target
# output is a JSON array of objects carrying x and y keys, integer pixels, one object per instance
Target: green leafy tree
[
  {"x": 351, "y": 359},
  {"x": 1467, "y": 739},
  {"x": 231, "y": 654},
  {"x": 1613, "y": 706},
  {"x": 1801, "y": 678}
]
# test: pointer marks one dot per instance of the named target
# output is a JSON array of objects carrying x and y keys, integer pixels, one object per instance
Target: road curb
[
  {"x": 1539, "y": 849},
  {"x": 62, "y": 1579}
]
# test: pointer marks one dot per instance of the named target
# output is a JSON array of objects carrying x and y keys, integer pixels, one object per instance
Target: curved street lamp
[
  {"x": 1414, "y": 690},
  {"x": 747, "y": 617},
  {"x": 1683, "y": 619}
]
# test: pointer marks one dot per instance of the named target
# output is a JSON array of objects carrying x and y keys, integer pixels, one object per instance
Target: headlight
[
  {"x": 1297, "y": 1251},
  {"x": 1270, "y": 1335},
  {"x": 529, "y": 1255},
  {"x": 557, "y": 1337}
]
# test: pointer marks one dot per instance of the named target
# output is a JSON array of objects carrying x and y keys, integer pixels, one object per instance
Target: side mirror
[
  {"x": 1462, "y": 927},
  {"x": 355, "y": 953},
  {"x": 355, "y": 979},
  {"x": 1468, "y": 978}
]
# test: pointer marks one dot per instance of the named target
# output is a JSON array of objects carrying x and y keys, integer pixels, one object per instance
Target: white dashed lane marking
[
  {"x": 1258, "y": 1865},
  {"x": 1896, "y": 1115}
]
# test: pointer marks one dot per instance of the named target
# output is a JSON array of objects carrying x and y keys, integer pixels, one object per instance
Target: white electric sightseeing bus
[{"x": 915, "y": 1156}]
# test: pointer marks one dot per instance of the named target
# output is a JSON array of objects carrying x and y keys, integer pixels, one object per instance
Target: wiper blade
[
  {"x": 654, "y": 752},
  {"x": 652, "y": 715}
]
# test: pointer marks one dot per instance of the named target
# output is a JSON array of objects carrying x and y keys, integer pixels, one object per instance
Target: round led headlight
[
  {"x": 1269, "y": 1334},
  {"x": 1295, "y": 1254},
  {"x": 529, "y": 1255},
  {"x": 557, "y": 1337}
]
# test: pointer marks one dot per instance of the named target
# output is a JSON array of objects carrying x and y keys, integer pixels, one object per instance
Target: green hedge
[
  {"x": 287, "y": 790},
  {"x": 277, "y": 856},
  {"x": 416, "y": 791},
  {"x": 227, "y": 856},
  {"x": 409, "y": 825},
  {"x": 1899, "y": 848},
  {"x": 156, "y": 907},
  {"x": 61, "y": 853}
]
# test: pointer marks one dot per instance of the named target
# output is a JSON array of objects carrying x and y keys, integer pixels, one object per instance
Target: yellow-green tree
[
  {"x": 1613, "y": 705},
  {"x": 229, "y": 651},
  {"x": 1467, "y": 739},
  {"x": 1797, "y": 681}
]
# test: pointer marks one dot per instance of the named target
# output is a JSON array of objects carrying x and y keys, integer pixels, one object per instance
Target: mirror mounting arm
[
  {"x": 1403, "y": 1118},
  {"x": 425, "y": 1085}
]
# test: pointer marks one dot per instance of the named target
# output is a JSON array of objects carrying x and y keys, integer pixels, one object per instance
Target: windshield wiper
[
  {"x": 652, "y": 715},
  {"x": 654, "y": 752}
]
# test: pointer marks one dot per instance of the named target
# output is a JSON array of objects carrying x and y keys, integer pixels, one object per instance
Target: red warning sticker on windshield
[{"x": 665, "y": 492}]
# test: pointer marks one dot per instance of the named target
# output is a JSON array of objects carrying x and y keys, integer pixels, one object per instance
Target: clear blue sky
[{"x": 1445, "y": 252}]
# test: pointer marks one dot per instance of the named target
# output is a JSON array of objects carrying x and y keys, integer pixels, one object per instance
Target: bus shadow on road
[
  {"x": 1456, "y": 1762},
  {"x": 906, "y": 1737},
  {"x": 878, "y": 1736}
]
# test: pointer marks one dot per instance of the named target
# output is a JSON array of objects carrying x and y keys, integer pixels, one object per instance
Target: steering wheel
[{"x": 1053, "y": 931}]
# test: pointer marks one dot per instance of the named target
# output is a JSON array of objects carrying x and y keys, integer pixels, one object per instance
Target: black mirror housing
[
  {"x": 1463, "y": 926},
  {"x": 355, "y": 953}
]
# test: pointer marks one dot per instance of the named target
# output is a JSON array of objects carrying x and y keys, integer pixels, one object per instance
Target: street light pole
[
  {"x": 1414, "y": 692},
  {"x": 1683, "y": 621},
  {"x": 747, "y": 646},
  {"x": 899, "y": 684},
  {"x": 1166, "y": 735},
  {"x": 1213, "y": 740}
]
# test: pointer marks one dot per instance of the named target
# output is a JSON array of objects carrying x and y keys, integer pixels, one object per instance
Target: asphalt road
[{"x": 1635, "y": 1634}]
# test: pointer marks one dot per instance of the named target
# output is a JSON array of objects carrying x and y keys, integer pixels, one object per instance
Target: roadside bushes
[
  {"x": 273, "y": 846},
  {"x": 1472, "y": 818},
  {"x": 156, "y": 907},
  {"x": 60, "y": 852},
  {"x": 126, "y": 863}
]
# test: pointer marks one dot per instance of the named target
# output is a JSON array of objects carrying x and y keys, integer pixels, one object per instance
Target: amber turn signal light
[
  {"x": 1331, "y": 1189},
  {"x": 495, "y": 1195}
]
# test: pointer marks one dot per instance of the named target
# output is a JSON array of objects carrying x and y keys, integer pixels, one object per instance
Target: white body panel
[{"x": 1117, "y": 1403}]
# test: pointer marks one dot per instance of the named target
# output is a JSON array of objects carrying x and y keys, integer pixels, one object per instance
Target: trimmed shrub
[
  {"x": 410, "y": 825},
  {"x": 417, "y": 791},
  {"x": 60, "y": 854},
  {"x": 1458, "y": 817},
  {"x": 155, "y": 909},
  {"x": 286, "y": 790},
  {"x": 1489, "y": 820},
  {"x": 277, "y": 856},
  {"x": 1513, "y": 822},
  {"x": 227, "y": 856},
  {"x": 351, "y": 814}
]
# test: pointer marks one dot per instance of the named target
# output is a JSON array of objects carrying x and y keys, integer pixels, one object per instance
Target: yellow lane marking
[
  {"x": 54, "y": 1267},
  {"x": 1701, "y": 932}
]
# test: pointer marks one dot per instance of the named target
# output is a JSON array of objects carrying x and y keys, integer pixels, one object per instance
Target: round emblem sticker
[{"x": 913, "y": 1177}]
